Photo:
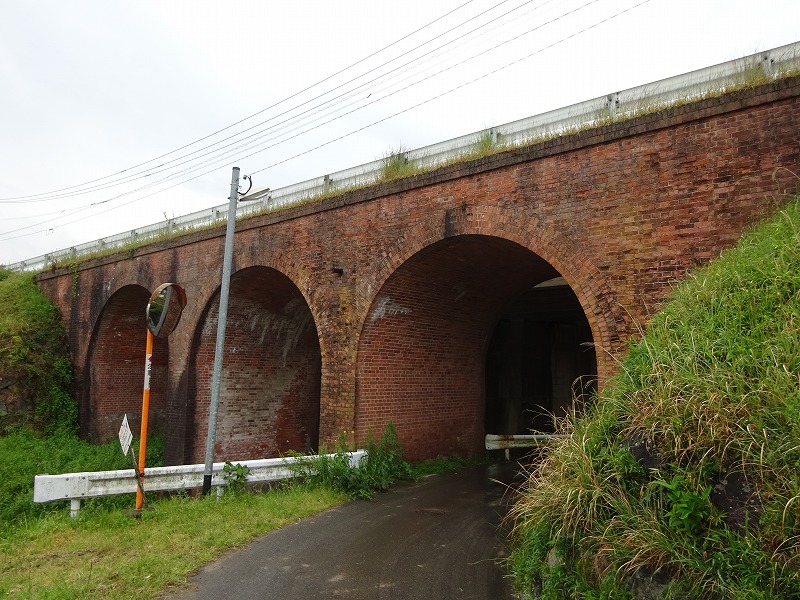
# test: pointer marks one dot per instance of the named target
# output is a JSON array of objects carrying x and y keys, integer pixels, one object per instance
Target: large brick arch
[
  {"x": 604, "y": 313},
  {"x": 423, "y": 346},
  {"x": 115, "y": 364},
  {"x": 269, "y": 389},
  {"x": 426, "y": 373}
]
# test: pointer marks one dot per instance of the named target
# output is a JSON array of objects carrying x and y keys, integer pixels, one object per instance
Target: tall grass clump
[
  {"x": 395, "y": 165},
  {"x": 382, "y": 465},
  {"x": 683, "y": 479}
]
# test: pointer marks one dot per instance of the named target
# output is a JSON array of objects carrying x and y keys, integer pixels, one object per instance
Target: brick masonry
[{"x": 378, "y": 304}]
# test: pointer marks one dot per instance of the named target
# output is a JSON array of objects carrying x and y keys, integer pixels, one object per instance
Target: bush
[
  {"x": 34, "y": 358},
  {"x": 382, "y": 465}
]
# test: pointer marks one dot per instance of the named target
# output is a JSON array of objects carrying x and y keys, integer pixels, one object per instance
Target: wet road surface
[{"x": 433, "y": 539}]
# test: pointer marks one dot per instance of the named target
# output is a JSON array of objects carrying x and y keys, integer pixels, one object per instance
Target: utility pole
[{"x": 221, "y": 324}]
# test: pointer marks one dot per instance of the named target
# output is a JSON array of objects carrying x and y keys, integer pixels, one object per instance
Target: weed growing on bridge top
[
  {"x": 683, "y": 478},
  {"x": 396, "y": 165}
]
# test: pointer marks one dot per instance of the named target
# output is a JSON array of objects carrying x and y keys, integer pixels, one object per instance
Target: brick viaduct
[{"x": 455, "y": 302}]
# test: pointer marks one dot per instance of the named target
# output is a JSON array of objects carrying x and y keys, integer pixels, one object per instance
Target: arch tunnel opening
[
  {"x": 452, "y": 331},
  {"x": 116, "y": 369},
  {"x": 540, "y": 361},
  {"x": 269, "y": 401}
]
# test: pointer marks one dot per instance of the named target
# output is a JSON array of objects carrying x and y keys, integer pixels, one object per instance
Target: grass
[
  {"x": 106, "y": 554},
  {"x": 24, "y": 453},
  {"x": 687, "y": 465},
  {"x": 396, "y": 165}
]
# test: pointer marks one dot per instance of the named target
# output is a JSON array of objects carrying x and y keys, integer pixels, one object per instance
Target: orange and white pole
[{"x": 148, "y": 363}]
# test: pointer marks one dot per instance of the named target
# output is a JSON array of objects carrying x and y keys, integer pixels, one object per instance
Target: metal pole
[
  {"x": 148, "y": 363},
  {"x": 221, "y": 323}
]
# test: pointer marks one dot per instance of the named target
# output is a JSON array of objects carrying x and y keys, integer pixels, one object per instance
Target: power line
[
  {"x": 372, "y": 124},
  {"x": 244, "y": 147},
  {"x": 285, "y": 123},
  {"x": 294, "y": 95},
  {"x": 313, "y": 110}
]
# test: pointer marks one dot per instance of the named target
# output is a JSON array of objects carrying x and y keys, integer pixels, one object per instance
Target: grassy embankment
[{"x": 684, "y": 477}]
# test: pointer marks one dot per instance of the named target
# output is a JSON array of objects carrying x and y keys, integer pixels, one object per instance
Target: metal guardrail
[
  {"x": 77, "y": 486},
  {"x": 769, "y": 64},
  {"x": 507, "y": 442}
]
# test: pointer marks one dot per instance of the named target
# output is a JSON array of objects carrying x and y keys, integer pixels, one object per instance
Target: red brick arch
[
  {"x": 569, "y": 259},
  {"x": 116, "y": 358},
  {"x": 269, "y": 390}
]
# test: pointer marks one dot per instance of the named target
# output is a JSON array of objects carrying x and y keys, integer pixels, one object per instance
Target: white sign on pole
[{"x": 125, "y": 435}]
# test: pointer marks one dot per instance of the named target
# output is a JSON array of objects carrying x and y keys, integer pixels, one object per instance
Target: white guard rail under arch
[{"x": 76, "y": 486}]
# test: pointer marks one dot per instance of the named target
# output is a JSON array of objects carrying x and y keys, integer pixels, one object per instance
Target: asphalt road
[{"x": 438, "y": 538}]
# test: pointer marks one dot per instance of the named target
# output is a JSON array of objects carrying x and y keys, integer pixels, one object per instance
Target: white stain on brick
[
  {"x": 386, "y": 307},
  {"x": 288, "y": 328}
]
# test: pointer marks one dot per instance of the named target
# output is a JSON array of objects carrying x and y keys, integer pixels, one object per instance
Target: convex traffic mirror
[{"x": 164, "y": 309}]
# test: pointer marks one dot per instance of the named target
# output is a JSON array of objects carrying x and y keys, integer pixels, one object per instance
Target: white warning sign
[{"x": 125, "y": 435}]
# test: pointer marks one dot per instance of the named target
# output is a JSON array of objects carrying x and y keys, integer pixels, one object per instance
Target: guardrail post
[
  {"x": 74, "y": 507},
  {"x": 612, "y": 104},
  {"x": 766, "y": 65}
]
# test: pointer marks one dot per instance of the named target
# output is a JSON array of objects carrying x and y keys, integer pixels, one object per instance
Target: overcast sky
[{"x": 93, "y": 92}]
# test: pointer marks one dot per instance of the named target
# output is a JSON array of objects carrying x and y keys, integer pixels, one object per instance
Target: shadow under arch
[
  {"x": 269, "y": 400},
  {"x": 540, "y": 363},
  {"x": 115, "y": 361},
  {"x": 424, "y": 345}
]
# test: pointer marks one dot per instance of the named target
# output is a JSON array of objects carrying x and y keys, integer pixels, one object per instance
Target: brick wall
[
  {"x": 269, "y": 389},
  {"x": 621, "y": 212},
  {"x": 116, "y": 379}
]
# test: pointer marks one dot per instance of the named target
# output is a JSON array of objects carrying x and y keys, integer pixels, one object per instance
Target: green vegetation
[
  {"x": 395, "y": 165},
  {"x": 235, "y": 476},
  {"x": 106, "y": 554},
  {"x": 380, "y": 468},
  {"x": 24, "y": 453},
  {"x": 35, "y": 370},
  {"x": 683, "y": 478}
]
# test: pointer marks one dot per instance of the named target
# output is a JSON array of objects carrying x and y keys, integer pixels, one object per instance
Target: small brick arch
[
  {"x": 115, "y": 362},
  {"x": 269, "y": 390}
]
